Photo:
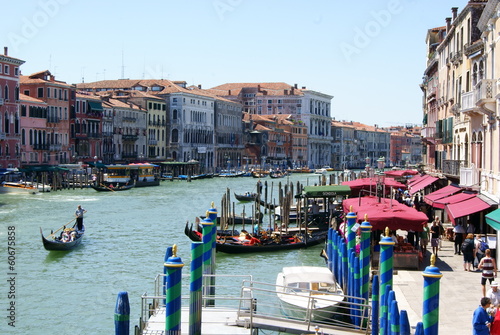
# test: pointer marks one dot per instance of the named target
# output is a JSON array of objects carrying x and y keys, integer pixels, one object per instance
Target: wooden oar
[
  {"x": 109, "y": 188},
  {"x": 61, "y": 228}
]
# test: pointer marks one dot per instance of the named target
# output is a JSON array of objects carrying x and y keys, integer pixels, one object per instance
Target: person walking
[
  {"x": 459, "y": 232},
  {"x": 489, "y": 269},
  {"x": 468, "y": 252},
  {"x": 424, "y": 238},
  {"x": 481, "y": 320},
  {"x": 79, "y": 217},
  {"x": 494, "y": 294},
  {"x": 435, "y": 234}
]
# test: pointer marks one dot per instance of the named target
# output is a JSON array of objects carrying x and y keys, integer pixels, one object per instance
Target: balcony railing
[
  {"x": 452, "y": 167},
  {"x": 153, "y": 142},
  {"x": 486, "y": 90},
  {"x": 130, "y": 137},
  {"x": 468, "y": 101},
  {"x": 40, "y": 146},
  {"x": 428, "y": 132},
  {"x": 55, "y": 147}
]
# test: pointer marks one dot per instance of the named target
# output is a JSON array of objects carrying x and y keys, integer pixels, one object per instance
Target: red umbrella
[
  {"x": 368, "y": 184},
  {"x": 387, "y": 213}
]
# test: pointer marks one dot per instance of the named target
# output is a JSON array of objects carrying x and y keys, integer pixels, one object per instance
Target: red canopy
[
  {"x": 452, "y": 199},
  {"x": 357, "y": 185},
  {"x": 421, "y": 184},
  {"x": 387, "y": 213},
  {"x": 466, "y": 207},
  {"x": 441, "y": 193},
  {"x": 400, "y": 173}
]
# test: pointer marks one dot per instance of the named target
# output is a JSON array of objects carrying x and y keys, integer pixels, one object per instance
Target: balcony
[
  {"x": 132, "y": 138},
  {"x": 468, "y": 102},
  {"x": 153, "y": 142},
  {"x": 129, "y": 119},
  {"x": 94, "y": 135},
  {"x": 55, "y": 147},
  {"x": 469, "y": 176},
  {"x": 53, "y": 119},
  {"x": 452, "y": 167},
  {"x": 485, "y": 93},
  {"x": 37, "y": 146},
  {"x": 428, "y": 132}
]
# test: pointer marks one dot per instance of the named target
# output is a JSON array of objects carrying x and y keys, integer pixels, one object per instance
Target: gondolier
[{"x": 79, "y": 217}]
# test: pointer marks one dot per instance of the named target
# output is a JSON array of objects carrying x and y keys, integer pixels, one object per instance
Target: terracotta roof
[
  {"x": 35, "y": 78},
  {"x": 357, "y": 125},
  {"x": 277, "y": 88},
  {"x": 120, "y": 104},
  {"x": 27, "y": 98}
]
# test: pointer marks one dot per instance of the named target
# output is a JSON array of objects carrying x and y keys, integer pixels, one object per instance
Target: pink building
[
  {"x": 34, "y": 141},
  {"x": 10, "y": 127}
]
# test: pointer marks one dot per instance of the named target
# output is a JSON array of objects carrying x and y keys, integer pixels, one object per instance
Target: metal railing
[{"x": 257, "y": 305}]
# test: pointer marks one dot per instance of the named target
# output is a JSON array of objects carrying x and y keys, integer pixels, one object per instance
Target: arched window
[
  {"x": 174, "y": 114},
  {"x": 175, "y": 135}
]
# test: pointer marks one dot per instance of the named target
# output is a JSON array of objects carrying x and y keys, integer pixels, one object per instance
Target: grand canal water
[{"x": 123, "y": 249}]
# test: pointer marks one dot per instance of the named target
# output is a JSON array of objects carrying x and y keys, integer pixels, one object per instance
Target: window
[
  {"x": 16, "y": 71},
  {"x": 48, "y": 92},
  {"x": 6, "y": 69},
  {"x": 40, "y": 92},
  {"x": 6, "y": 93},
  {"x": 26, "y": 92}
]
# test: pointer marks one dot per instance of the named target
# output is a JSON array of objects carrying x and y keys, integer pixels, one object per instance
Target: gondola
[
  {"x": 57, "y": 244},
  {"x": 105, "y": 188},
  {"x": 237, "y": 219},
  {"x": 228, "y": 243},
  {"x": 246, "y": 197},
  {"x": 224, "y": 245}
]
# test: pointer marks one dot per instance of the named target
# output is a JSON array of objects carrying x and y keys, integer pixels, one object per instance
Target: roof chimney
[
  {"x": 229, "y": 92},
  {"x": 258, "y": 88},
  {"x": 454, "y": 11},
  {"x": 286, "y": 92},
  {"x": 199, "y": 86},
  {"x": 448, "y": 24},
  {"x": 295, "y": 85},
  {"x": 303, "y": 87},
  {"x": 5, "y": 51}
]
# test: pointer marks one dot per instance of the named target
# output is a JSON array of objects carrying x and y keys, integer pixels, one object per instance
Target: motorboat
[
  {"x": 322, "y": 171},
  {"x": 18, "y": 187},
  {"x": 308, "y": 292}
]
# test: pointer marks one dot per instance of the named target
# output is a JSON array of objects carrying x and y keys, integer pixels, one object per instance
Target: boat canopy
[
  {"x": 302, "y": 275},
  {"x": 326, "y": 191}
]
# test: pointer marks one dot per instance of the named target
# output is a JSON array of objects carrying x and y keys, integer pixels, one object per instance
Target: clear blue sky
[{"x": 369, "y": 55}]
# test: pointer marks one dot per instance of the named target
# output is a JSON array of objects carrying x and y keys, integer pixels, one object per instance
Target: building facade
[{"x": 10, "y": 119}]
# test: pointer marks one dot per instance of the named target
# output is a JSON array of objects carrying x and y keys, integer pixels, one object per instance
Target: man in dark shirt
[{"x": 435, "y": 234}]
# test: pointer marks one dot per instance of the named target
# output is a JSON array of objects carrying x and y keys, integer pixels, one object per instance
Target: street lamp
[{"x": 380, "y": 177}]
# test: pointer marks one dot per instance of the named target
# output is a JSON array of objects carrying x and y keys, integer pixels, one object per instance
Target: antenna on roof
[
  {"x": 123, "y": 67},
  {"x": 83, "y": 74}
]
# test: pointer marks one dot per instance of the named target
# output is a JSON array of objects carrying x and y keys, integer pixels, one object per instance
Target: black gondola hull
[{"x": 62, "y": 246}]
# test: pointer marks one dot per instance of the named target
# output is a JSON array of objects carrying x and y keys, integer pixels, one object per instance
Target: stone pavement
[{"x": 460, "y": 292}]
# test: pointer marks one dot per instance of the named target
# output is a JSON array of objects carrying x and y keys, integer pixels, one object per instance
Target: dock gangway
[{"x": 240, "y": 302}]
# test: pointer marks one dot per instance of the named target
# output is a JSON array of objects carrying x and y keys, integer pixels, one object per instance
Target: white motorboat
[
  {"x": 308, "y": 292},
  {"x": 322, "y": 171},
  {"x": 18, "y": 187}
]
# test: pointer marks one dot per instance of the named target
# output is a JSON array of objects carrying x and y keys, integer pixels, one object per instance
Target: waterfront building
[
  {"x": 59, "y": 97},
  {"x": 86, "y": 128},
  {"x": 405, "y": 146},
  {"x": 34, "y": 141},
  {"x": 10, "y": 127},
  {"x": 461, "y": 104},
  {"x": 129, "y": 131},
  {"x": 310, "y": 107},
  {"x": 356, "y": 144}
]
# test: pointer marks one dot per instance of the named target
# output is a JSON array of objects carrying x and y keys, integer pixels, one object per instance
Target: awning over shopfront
[
  {"x": 423, "y": 183},
  {"x": 400, "y": 173},
  {"x": 368, "y": 184},
  {"x": 452, "y": 199},
  {"x": 467, "y": 207},
  {"x": 493, "y": 219},
  {"x": 441, "y": 193},
  {"x": 95, "y": 105},
  {"x": 416, "y": 179}
]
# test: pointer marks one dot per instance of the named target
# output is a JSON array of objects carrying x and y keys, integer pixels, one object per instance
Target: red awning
[
  {"x": 414, "y": 188},
  {"x": 400, "y": 173},
  {"x": 463, "y": 208},
  {"x": 387, "y": 213},
  {"x": 441, "y": 193},
  {"x": 416, "y": 179},
  {"x": 368, "y": 184},
  {"x": 452, "y": 199}
]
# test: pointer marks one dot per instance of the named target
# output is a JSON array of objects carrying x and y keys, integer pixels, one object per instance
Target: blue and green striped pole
[
  {"x": 207, "y": 232},
  {"x": 345, "y": 265},
  {"x": 351, "y": 235},
  {"x": 395, "y": 327},
  {"x": 356, "y": 292},
  {"x": 386, "y": 273},
  {"x": 122, "y": 314},
  {"x": 430, "y": 317},
  {"x": 173, "y": 297},
  {"x": 195, "y": 294},
  {"x": 364, "y": 255},
  {"x": 212, "y": 215},
  {"x": 375, "y": 305},
  {"x": 168, "y": 254},
  {"x": 404, "y": 323}
]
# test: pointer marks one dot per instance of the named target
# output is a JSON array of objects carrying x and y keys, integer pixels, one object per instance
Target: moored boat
[
  {"x": 59, "y": 243},
  {"x": 308, "y": 292}
]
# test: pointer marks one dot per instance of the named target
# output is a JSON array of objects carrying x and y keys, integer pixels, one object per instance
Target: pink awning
[
  {"x": 414, "y": 188},
  {"x": 400, "y": 173},
  {"x": 452, "y": 199},
  {"x": 386, "y": 213},
  {"x": 368, "y": 184},
  {"x": 463, "y": 208},
  {"x": 441, "y": 193},
  {"x": 416, "y": 179}
]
